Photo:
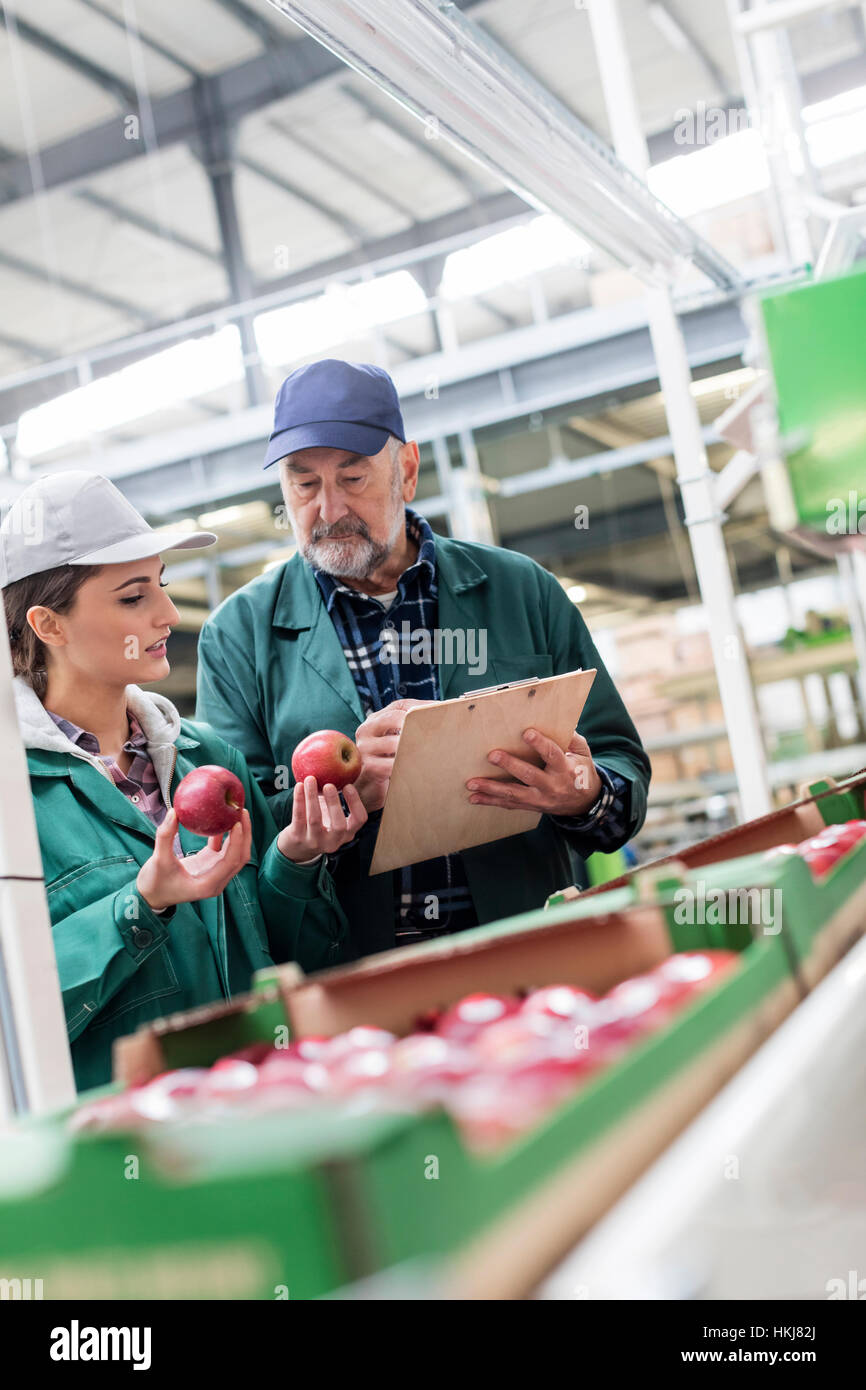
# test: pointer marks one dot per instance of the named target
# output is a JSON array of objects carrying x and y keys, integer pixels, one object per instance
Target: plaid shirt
[
  {"x": 140, "y": 784},
  {"x": 361, "y": 623}
]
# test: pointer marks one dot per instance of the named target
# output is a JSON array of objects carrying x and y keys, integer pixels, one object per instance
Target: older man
[{"x": 318, "y": 643}]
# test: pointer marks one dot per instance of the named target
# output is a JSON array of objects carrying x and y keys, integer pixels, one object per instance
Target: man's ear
[
  {"x": 410, "y": 462},
  {"x": 46, "y": 625}
]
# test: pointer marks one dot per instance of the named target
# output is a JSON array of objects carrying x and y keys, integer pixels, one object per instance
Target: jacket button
[{"x": 142, "y": 936}]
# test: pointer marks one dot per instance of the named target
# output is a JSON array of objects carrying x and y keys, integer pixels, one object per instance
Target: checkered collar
[
  {"x": 137, "y": 741},
  {"x": 419, "y": 530}
]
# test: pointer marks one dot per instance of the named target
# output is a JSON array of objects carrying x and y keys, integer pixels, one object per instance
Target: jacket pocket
[
  {"x": 515, "y": 667},
  {"x": 84, "y": 883},
  {"x": 155, "y": 978}
]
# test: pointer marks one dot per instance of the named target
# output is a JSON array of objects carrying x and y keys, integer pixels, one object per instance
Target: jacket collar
[
  {"x": 299, "y": 598},
  {"x": 43, "y": 739}
]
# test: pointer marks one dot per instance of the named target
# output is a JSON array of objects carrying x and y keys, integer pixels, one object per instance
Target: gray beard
[{"x": 351, "y": 559}]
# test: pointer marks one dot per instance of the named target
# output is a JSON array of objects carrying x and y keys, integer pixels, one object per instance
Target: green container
[
  {"x": 305, "y": 1204},
  {"x": 814, "y": 335}
]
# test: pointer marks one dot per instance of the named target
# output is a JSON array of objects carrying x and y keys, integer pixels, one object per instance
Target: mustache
[{"x": 340, "y": 530}]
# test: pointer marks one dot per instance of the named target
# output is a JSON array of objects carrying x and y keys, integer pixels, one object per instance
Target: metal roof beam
[
  {"x": 69, "y": 57},
  {"x": 85, "y": 290},
  {"x": 385, "y": 196},
  {"x": 20, "y": 345},
  {"x": 234, "y": 93},
  {"x": 352, "y": 229},
  {"x": 420, "y": 143},
  {"x": 710, "y": 66},
  {"x": 253, "y": 20},
  {"x": 406, "y": 247},
  {"x": 120, "y": 23},
  {"x": 146, "y": 224}
]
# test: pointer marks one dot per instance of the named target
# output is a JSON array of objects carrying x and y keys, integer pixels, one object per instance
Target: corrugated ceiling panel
[
  {"x": 26, "y": 75},
  {"x": 203, "y": 33}
]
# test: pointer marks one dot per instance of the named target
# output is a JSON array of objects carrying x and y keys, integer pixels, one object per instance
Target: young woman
[{"x": 147, "y": 917}]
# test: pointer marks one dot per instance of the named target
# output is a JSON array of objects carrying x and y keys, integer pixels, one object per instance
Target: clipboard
[{"x": 427, "y": 811}]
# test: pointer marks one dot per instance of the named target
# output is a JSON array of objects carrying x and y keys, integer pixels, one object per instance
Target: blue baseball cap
[{"x": 336, "y": 405}]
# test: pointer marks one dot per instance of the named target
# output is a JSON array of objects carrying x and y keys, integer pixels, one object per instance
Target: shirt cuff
[
  {"x": 597, "y": 812},
  {"x": 290, "y": 878}
]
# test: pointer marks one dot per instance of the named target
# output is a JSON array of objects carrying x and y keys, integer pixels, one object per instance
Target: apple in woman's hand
[
  {"x": 329, "y": 756},
  {"x": 209, "y": 800}
]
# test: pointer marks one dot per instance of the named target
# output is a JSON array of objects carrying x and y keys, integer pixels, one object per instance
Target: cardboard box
[
  {"x": 312, "y": 1202},
  {"x": 318, "y": 1200}
]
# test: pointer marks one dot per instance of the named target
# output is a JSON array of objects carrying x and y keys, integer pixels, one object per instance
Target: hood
[{"x": 156, "y": 714}]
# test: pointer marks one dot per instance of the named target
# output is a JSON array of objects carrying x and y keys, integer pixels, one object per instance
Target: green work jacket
[
  {"x": 120, "y": 963},
  {"x": 271, "y": 670}
]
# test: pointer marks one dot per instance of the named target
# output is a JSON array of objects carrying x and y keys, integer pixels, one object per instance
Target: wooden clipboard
[{"x": 427, "y": 810}]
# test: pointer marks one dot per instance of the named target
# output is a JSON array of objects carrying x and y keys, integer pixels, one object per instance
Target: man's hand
[
  {"x": 318, "y": 824},
  {"x": 566, "y": 785},
  {"x": 377, "y": 740}
]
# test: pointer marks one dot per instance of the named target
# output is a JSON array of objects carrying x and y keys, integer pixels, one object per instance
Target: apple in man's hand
[
  {"x": 329, "y": 756},
  {"x": 209, "y": 800}
]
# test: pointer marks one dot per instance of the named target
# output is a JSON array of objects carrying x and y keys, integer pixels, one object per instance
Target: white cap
[{"x": 78, "y": 518}]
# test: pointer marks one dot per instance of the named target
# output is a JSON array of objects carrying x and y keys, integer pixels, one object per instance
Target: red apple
[
  {"x": 209, "y": 800},
  {"x": 228, "y": 1076},
  {"x": 292, "y": 1074},
  {"x": 106, "y": 1114},
  {"x": 329, "y": 756},
  {"x": 517, "y": 1037},
  {"x": 684, "y": 974},
  {"x": 430, "y": 1065},
  {"x": 159, "y": 1098},
  {"x": 311, "y": 1049},
  {"x": 256, "y": 1053},
  {"x": 358, "y": 1039},
  {"x": 560, "y": 1002},
  {"x": 820, "y": 857},
  {"x": 630, "y": 1010},
  {"x": 465, "y": 1020}
]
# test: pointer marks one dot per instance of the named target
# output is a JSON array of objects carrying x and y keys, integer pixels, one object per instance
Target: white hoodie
[{"x": 159, "y": 720}]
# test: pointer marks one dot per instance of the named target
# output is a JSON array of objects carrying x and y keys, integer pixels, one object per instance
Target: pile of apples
[
  {"x": 498, "y": 1063},
  {"x": 826, "y": 848}
]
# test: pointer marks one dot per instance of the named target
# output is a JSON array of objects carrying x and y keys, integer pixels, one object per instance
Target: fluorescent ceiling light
[
  {"x": 841, "y": 105},
  {"x": 668, "y": 27},
  {"x": 512, "y": 255},
  {"x": 184, "y": 523},
  {"x": 438, "y": 64},
  {"x": 221, "y": 517},
  {"x": 180, "y": 373},
  {"x": 340, "y": 315},
  {"x": 389, "y": 136},
  {"x": 735, "y": 381},
  {"x": 729, "y": 169}
]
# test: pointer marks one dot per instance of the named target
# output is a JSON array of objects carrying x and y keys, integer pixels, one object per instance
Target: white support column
[
  {"x": 784, "y": 137},
  {"x": 35, "y": 1064},
  {"x": 470, "y": 481},
  {"x": 693, "y": 472},
  {"x": 852, "y": 573}
]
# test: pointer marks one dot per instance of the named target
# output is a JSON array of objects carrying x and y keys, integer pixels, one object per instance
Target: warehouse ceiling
[
  {"x": 109, "y": 226},
  {"x": 162, "y": 161}
]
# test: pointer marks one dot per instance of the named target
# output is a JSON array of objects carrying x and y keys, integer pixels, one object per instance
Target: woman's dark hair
[{"x": 55, "y": 589}]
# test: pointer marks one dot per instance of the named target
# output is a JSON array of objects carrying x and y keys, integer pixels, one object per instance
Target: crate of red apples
[{"x": 497, "y": 1063}]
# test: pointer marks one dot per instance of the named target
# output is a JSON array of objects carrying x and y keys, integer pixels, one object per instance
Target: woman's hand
[
  {"x": 164, "y": 880},
  {"x": 318, "y": 825}
]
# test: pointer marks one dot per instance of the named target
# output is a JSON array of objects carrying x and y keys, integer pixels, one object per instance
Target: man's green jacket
[{"x": 271, "y": 670}]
